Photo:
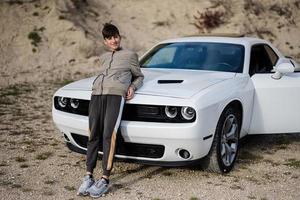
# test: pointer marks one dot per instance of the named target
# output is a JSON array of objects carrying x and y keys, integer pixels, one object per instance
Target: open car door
[{"x": 276, "y": 106}]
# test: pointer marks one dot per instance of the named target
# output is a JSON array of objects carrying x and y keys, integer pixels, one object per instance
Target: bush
[
  {"x": 210, "y": 19},
  {"x": 35, "y": 38},
  {"x": 254, "y": 7}
]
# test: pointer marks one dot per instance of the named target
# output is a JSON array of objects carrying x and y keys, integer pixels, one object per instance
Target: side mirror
[{"x": 283, "y": 68}]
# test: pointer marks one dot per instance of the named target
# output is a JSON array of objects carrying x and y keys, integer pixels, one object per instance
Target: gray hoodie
[{"x": 118, "y": 70}]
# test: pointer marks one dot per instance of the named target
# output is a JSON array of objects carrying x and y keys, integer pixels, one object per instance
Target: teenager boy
[{"x": 119, "y": 77}]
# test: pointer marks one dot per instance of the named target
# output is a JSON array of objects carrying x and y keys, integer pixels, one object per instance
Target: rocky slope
[{"x": 50, "y": 40}]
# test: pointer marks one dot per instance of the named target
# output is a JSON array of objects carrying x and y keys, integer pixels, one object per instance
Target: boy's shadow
[{"x": 144, "y": 170}]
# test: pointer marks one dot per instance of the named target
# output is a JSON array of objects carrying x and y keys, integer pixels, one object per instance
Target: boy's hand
[{"x": 130, "y": 93}]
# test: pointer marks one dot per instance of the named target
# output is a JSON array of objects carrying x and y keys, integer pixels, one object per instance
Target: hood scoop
[{"x": 169, "y": 81}]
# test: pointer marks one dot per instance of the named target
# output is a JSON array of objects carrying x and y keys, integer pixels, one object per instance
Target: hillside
[{"x": 43, "y": 40}]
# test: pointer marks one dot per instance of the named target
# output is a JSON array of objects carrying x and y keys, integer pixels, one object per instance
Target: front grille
[
  {"x": 126, "y": 148},
  {"x": 147, "y": 113}
]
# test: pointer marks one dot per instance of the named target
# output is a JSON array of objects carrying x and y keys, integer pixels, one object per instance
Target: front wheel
[{"x": 224, "y": 149}]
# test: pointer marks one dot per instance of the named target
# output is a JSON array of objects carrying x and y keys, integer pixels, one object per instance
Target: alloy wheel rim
[{"x": 229, "y": 140}]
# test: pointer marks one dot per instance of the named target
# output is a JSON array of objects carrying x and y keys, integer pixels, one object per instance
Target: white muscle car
[{"x": 200, "y": 96}]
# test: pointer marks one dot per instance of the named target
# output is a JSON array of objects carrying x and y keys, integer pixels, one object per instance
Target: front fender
[{"x": 218, "y": 96}]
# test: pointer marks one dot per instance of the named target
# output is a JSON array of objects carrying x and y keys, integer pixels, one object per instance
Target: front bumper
[{"x": 145, "y": 142}]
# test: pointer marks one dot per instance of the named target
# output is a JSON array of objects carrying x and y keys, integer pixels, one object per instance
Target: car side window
[
  {"x": 272, "y": 55},
  {"x": 260, "y": 60}
]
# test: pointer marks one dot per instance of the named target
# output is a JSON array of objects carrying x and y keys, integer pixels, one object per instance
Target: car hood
[{"x": 167, "y": 82}]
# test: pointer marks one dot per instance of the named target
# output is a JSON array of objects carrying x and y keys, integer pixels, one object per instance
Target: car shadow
[
  {"x": 269, "y": 141},
  {"x": 252, "y": 149}
]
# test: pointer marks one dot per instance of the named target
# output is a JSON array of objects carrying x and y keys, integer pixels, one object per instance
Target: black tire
[{"x": 215, "y": 160}]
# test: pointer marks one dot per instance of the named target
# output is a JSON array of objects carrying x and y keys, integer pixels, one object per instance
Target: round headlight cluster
[
  {"x": 65, "y": 102},
  {"x": 171, "y": 111},
  {"x": 187, "y": 113},
  {"x": 62, "y": 102},
  {"x": 74, "y": 103}
]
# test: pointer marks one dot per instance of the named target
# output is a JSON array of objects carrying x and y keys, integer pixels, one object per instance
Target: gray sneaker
[
  {"x": 85, "y": 185},
  {"x": 98, "y": 189}
]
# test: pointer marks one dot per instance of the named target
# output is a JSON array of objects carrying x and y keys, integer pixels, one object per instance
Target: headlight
[
  {"x": 74, "y": 103},
  {"x": 62, "y": 102},
  {"x": 187, "y": 113},
  {"x": 171, "y": 111}
]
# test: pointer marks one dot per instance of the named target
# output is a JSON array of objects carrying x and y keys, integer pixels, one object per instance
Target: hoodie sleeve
[{"x": 137, "y": 75}]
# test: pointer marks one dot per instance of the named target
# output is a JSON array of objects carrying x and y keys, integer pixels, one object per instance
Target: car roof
[{"x": 222, "y": 39}]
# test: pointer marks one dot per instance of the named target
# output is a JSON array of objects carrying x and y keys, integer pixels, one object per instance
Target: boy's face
[{"x": 113, "y": 42}]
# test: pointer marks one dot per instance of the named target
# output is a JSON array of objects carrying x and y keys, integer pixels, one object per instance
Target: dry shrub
[
  {"x": 43, "y": 156},
  {"x": 20, "y": 2},
  {"x": 285, "y": 11},
  {"x": 208, "y": 20},
  {"x": 226, "y": 4},
  {"x": 253, "y": 7},
  {"x": 162, "y": 23},
  {"x": 281, "y": 10},
  {"x": 297, "y": 3}
]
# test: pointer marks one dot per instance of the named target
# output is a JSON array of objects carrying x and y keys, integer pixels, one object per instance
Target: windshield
[{"x": 197, "y": 56}]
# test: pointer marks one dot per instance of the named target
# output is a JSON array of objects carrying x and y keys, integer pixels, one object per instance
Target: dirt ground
[
  {"x": 46, "y": 44},
  {"x": 35, "y": 163}
]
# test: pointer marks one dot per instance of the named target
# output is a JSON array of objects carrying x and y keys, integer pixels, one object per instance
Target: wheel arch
[
  {"x": 237, "y": 105},
  {"x": 210, "y": 161}
]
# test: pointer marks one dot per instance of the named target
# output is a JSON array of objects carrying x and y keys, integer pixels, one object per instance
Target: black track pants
[{"x": 105, "y": 113}]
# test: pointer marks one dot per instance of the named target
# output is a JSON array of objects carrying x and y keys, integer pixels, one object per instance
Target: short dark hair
[{"x": 109, "y": 30}]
